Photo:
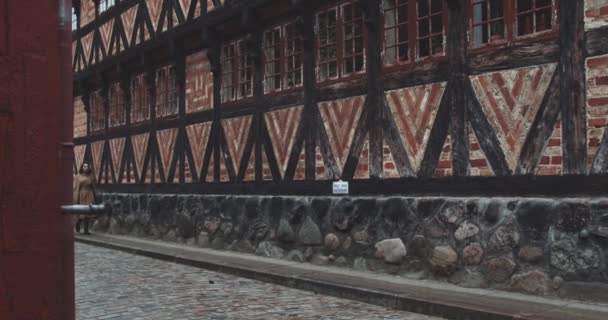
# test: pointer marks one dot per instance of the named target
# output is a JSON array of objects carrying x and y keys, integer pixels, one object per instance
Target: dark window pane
[
  {"x": 402, "y": 14},
  {"x": 403, "y": 36},
  {"x": 437, "y": 44},
  {"x": 348, "y": 65},
  {"x": 423, "y": 8},
  {"x": 437, "y": 24},
  {"x": 331, "y": 18},
  {"x": 403, "y": 53},
  {"x": 497, "y": 29},
  {"x": 436, "y": 6},
  {"x": 524, "y": 24},
  {"x": 359, "y": 45},
  {"x": 543, "y": 20},
  {"x": 423, "y": 47},
  {"x": 496, "y": 9},
  {"x": 348, "y": 47},
  {"x": 347, "y": 10},
  {"x": 357, "y": 12},
  {"x": 524, "y": 5},
  {"x": 333, "y": 69},
  {"x": 543, "y": 3},
  {"x": 359, "y": 63},
  {"x": 423, "y": 28}
]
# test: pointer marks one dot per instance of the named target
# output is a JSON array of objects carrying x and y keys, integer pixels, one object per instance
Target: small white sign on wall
[{"x": 340, "y": 187}]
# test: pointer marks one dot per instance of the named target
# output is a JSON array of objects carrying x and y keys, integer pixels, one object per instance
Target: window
[
  {"x": 116, "y": 103},
  {"x": 140, "y": 102},
  {"x": 74, "y": 19},
  {"x": 396, "y": 38},
  {"x": 328, "y": 44},
  {"x": 293, "y": 57},
  {"x": 104, "y": 5},
  {"x": 354, "y": 58},
  {"x": 237, "y": 72},
  {"x": 98, "y": 117},
  {"x": 245, "y": 72},
  {"x": 499, "y": 21},
  {"x": 488, "y": 21},
  {"x": 166, "y": 92},
  {"x": 430, "y": 28},
  {"x": 272, "y": 63},
  {"x": 282, "y": 58},
  {"x": 534, "y": 16},
  {"x": 227, "y": 63},
  {"x": 340, "y": 41}
]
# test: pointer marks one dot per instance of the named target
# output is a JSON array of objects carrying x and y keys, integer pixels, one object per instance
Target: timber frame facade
[{"x": 514, "y": 116}]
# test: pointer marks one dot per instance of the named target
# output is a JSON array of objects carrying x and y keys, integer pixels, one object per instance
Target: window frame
[
  {"x": 510, "y": 27},
  {"x": 239, "y": 52},
  {"x": 97, "y": 102},
  {"x": 300, "y": 41},
  {"x": 411, "y": 52},
  {"x": 107, "y": 5},
  {"x": 75, "y": 19},
  {"x": 412, "y": 31},
  {"x": 169, "y": 92},
  {"x": 554, "y": 21},
  {"x": 244, "y": 63},
  {"x": 140, "y": 98},
  {"x": 224, "y": 75},
  {"x": 339, "y": 43},
  {"x": 116, "y": 106},
  {"x": 284, "y": 59}
]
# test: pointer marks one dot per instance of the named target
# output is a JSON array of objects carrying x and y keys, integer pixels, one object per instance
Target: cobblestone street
[{"x": 117, "y": 285}]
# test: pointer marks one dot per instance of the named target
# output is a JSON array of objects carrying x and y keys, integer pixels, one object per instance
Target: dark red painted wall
[{"x": 36, "y": 242}]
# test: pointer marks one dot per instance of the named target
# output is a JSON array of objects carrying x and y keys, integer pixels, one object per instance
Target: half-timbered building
[{"x": 473, "y": 99}]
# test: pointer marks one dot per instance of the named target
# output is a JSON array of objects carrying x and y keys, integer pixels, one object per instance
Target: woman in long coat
[{"x": 84, "y": 193}]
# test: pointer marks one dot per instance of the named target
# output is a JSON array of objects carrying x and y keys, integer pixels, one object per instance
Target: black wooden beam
[
  {"x": 541, "y": 129},
  {"x": 306, "y": 28},
  {"x": 457, "y": 57},
  {"x": 515, "y": 186},
  {"x": 375, "y": 96},
  {"x": 572, "y": 83}
]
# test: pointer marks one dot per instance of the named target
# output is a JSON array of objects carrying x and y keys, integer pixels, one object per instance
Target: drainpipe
[{"x": 64, "y": 24}]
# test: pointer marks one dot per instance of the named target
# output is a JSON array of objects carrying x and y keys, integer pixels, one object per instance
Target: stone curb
[{"x": 438, "y": 302}]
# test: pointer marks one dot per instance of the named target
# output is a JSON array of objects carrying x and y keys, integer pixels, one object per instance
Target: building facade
[{"x": 467, "y": 98}]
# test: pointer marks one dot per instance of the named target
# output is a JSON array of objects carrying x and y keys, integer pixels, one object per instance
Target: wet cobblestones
[{"x": 115, "y": 285}]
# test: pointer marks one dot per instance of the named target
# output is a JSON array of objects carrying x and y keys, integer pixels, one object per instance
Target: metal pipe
[{"x": 84, "y": 209}]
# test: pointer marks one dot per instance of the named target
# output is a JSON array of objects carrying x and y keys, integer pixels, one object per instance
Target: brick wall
[
  {"x": 596, "y": 13},
  {"x": 597, "y": 102},
  {"x": 444, "y": 166},
  {"x": 362, "y": 171},
  {"x": 388, "y": 163},
  {"x": 80, "y": 118},
  {"x": 478, "y": 164},
  {"x": 87, "y": 12},
  {"x": 320, "y": 171},
  {"x": 551, "y": 159},
  {"x": 301, "y": 168},
  {"x": 199, "y": 83}
]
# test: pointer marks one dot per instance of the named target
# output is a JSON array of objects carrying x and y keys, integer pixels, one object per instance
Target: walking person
[{"x": 84, "y": 193}]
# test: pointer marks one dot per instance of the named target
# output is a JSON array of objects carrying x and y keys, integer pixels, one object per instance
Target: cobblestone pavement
[{"x": 115, "y": 285}]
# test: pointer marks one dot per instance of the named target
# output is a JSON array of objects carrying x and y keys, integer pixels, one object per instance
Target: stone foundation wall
[{"x": 538, "y": 246}]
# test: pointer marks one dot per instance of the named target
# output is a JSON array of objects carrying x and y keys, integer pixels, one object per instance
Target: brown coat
[{"x": 84, "y": 190}]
